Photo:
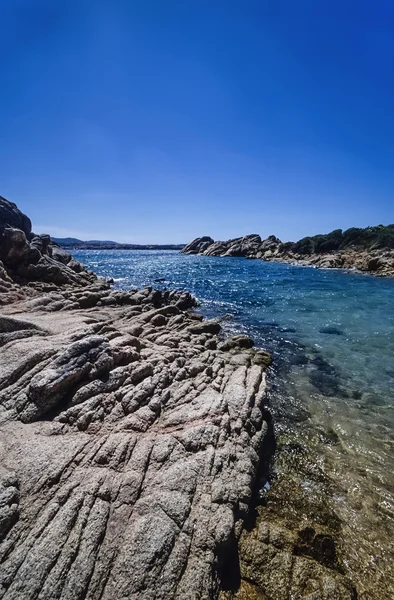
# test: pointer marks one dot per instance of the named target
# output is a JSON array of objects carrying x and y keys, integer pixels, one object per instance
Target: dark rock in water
[
  {"x": 321, "y": 547},
  {"x": 262, "y": 358},
  {"x": 373, "y": 400},
  {"x": 330, "y": 437},
  {"x": 327, "y": 384},
  {"x": 227, "y": 317},
  {"x": 237, "y": 341},
  {"x": 331, "y": 330},
  {"x": 298, "y": 358},
  {"x": 159, "y": 279},
  {"x": 323, "y": 365}
]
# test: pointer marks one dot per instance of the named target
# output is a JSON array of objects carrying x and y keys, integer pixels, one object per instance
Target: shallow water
[{"x": 332, "y": 337}]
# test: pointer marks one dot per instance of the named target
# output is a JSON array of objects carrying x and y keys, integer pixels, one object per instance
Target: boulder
[
  {"x": 198, "y": 245},
  {"x": 11, "y": 216},
  {"x": 14, "y": 248},
  {"x": 270, "y": 243},
  {"x": 237, "y": 342},
  {"x": 374, "y": 263},
  {"x": 216, "y": 249},
  {"x": 59, "y": 254},
  {"x": 27, "y": 256}
]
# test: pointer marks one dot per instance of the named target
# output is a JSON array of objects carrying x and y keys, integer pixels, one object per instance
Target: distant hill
[
  {"x": 76, "y": 244},
  {"x": 70, "y": 241},
  {"x": 67, "y": 241}
]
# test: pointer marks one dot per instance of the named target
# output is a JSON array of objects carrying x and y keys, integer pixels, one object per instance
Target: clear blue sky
[{"x": 157, "y": 121}]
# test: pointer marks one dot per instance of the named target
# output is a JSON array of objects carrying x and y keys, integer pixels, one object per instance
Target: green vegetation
[{"x": 370, "y": 238}]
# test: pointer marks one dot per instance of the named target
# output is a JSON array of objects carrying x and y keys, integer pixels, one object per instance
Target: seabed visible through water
[{"x": 331, "y": 334}]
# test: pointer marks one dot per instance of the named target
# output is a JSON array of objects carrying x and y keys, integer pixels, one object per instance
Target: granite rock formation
[
  {"x": 130, "y": 444},
  {"x": 29, "y": 262},
  {"x": 131, "y": 437},
  {"x": 375, "y": 260}
]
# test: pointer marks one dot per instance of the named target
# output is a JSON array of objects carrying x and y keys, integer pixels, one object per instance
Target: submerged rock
[{"x": 331, "y": 330}]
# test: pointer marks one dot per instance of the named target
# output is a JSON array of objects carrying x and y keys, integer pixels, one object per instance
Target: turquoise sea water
[
  {"x": 347, "y": 319},
  {"x": 332, "y": 337}
]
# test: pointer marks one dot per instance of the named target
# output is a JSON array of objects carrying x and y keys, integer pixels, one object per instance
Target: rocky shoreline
[
  {"x": 377, "y": 261},
  {"x": 132, "y": 439}
]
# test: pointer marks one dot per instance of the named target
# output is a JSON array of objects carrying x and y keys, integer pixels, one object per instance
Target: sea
[{"x": 331, "y": 335}]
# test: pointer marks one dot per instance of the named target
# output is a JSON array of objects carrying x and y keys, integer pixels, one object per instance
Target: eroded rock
[{"x": 135, "y": 448}]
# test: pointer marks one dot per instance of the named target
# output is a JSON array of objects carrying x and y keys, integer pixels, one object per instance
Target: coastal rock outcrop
[
  {"x": 11, "y": 216},
  {"x": 130, "y": 444},
  {"x": 370, "y": 250},
  {"x": 27, "y": 259},
  {"x": 198, "y": 245},
  {"x": 131, "y": 438}
]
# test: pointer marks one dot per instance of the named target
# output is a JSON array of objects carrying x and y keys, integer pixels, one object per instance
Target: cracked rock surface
[{"x": 130, "y": 442}]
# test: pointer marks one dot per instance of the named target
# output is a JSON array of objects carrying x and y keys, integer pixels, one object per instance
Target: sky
[{"x": 153, "y": 121}]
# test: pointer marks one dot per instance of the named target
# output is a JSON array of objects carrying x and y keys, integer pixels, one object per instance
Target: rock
[
  {"x": 75, "y": 266},
  {"x": 237, "y": 341},
  {"x": 131, "y": 445},
  {"x": 331, "y": 330},
  {"x": 277, "y": 562},
  {"x": 374, "y": 263},
  {"x": 262, "y": 358},
  {"x": 28, "y": 257},
  {"x": 212, "y": 327},
  {"x": 271, "y": 243},
  {"x": 376, "y": 258},
  {"x": 215, "y": 249},
  {"x": 14, "y": 248},
  {"x": 138, "y": 456},
  {"x": 9, "y": 503},
  {"x": 198, "y": 245},
  {"x": 59, "y": 254},
  {"x": 12, "y": 217}
]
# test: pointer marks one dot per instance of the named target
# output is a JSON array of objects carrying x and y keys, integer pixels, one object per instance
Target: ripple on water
[{"x": 332, "y": 337}]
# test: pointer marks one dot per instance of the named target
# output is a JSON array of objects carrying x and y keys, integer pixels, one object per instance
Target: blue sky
[{"x": 158, "y": 121}]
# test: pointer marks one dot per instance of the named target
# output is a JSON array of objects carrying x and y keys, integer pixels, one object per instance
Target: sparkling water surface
[
  {"x": 347, "y": 317},
  {"x": 332, "y": 338}
]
